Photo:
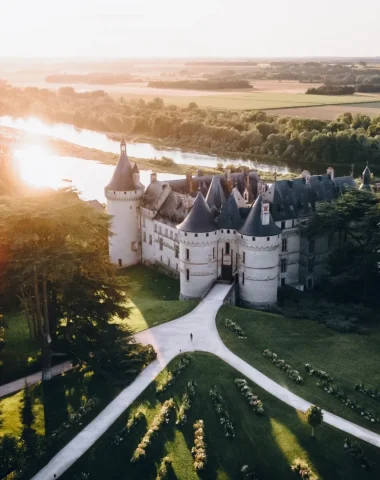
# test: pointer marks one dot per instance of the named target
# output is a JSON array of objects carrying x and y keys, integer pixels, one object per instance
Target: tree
[
  {"x": 57, "y": 265},
  {"x": 314, "y": 417},
  {"x": 351, "y": 222}
]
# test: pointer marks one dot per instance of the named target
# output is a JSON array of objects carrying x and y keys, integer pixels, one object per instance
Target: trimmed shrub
[
  {"x": 221, "y": 409},
  {"x": 254, "y": 401},
  {"x": 199, "y": 450},
  {"x": 186, "y": 403},
  {"x": 282, "y": 365}
]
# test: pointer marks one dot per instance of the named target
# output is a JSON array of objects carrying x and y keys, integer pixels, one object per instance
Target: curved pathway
[{"x": 169, "y": 340}]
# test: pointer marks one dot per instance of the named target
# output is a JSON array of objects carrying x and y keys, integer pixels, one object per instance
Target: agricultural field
[{"x": 328, "y": 112}]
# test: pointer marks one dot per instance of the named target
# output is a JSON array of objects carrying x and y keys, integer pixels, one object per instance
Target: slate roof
[
  {"x": 215, "y": 195},
  {"x": 230, "y": 215},
  {"x": 135, "y": 168},
  {"x": 122, "y": 179},
  {"x": 200, "y": 218},
  {"x": 253, "y": 226}
]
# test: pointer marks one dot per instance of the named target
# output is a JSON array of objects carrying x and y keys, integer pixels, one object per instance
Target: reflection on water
[
  {"x": 100, "y": 141},
  {"x": 40, "y": 168}
]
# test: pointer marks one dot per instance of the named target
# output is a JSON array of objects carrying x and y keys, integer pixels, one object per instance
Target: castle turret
[
  {"x": 197, "y": 250},
  {"x": 366, "y": 177},
  {"x": 259, "y": 255},
  {"x": 123, "y": 194}
]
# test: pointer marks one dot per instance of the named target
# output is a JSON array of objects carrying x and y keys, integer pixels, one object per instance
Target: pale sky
[{"x": 189, "y": 28}]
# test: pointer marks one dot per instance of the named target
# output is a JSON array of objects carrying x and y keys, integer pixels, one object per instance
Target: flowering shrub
[
  {"x": 199, "y": 450},
  {"x": 132, "y": 422},
  {"x": 248, "y": 473},
  {"x": 186, "y": 403},
  {"x": 302, "y": 468},
  {"x": 221, "y": 409},
  {"x": 253, "y": 400},
  {"x": 355, "y": 450},
  {"x": 338, "y": 393},
  {"x": 173, "y": 374},
  {"x": 372, "y": 393},
  {"x": 164, "y": 468},
  {"x": 280, "y": 363},
  {"x": 234, "y": 327},
  {"x": 161, "y": 417},
  {"x": 316, "y": 372}
]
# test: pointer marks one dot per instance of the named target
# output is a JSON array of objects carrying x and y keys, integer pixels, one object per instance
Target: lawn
[
  {"x": 53, "y": 403},
  {"x": 153, "y": 298},
  {"x": 19, "y": 356},
  {"x": 268, "y": 443},
  {"x": 349, "y": 358}
]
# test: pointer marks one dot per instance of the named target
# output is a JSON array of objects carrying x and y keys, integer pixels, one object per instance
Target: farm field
[
  {"x": 267, "y": 95},
  {"x": 268, "y": 443},
  {"x": 328, "y": 112}
]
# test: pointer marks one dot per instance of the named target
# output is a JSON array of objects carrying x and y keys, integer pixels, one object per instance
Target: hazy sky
[{"x": 192, "y": 28}]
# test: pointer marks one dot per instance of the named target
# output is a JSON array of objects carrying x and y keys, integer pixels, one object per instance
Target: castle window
[
  {"x": 206, "y": 234},
  {"x": 221, "y": 231},
  {"x": 160, "y": 230},
  {"x": 185, "y": 234},
  {"x": 234, "y": 232},
  {"x": 243, "y": 257},
  {"x": 166, "y": 232},
  {"x": 282, "y": 225},
  {"x": 150, "y": 239},
  {"x": 187, "y": 254},
  {"x": 130, "y": 208},
  {"x": 187, "y": 274},
  {"x": 293, "y": 223},
  {"x": 311, "y": 246},
  {"x": 155, "y": 228},
  {"x": 176, "y": 267},
  {"x": 227, "y": 248},
  {"x": 228, "y": 231},
  {"x": 161, "y": 244},
  {"x": 284, "y": 265},
  {"x": 196, "y": 235},
  {"x": 268, "y": 239},
  {"x": 176, "y": 237},
  {"x": 311, "y": 265},
  {"x": 284, "y": 245},
  {"x": 168, "y": 262},
  {"x": 242, "y": 278},
  {"x": 176, "y": 251},
  {"x": 120, "y": 262},
  {"x": 283, "y": 280},
  {"x": 213, "y": 252},
  {"x": 253, "y": 238},
  {"x": 144, "y": 237},
  {"x": 143, "y": 222}
]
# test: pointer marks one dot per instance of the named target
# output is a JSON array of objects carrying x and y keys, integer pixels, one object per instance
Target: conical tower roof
[
  {"x": 253, "y": 225},
  {"x": 238, "y": 198},
  {"x": 366, "y": 176},
  {"x": 215, "y": 195},
  {"x": 199, "y": 219},
  {"x": 230, "y": 216},
  {"x": 122, "y": 180}
]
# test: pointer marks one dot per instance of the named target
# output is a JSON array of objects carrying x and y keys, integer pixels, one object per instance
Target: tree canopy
[{"x": 55, "y": 260}]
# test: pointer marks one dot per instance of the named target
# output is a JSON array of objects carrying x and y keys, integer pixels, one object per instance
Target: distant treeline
[
  {"x": 92, "y": 78},
  {"x": 248, "y": 133},
  {"x": 221, "y": 84},
  {"x": 226, "y": 63},
  {"x": 343, "y": 89},
  {"x": 331, "y": 90}
]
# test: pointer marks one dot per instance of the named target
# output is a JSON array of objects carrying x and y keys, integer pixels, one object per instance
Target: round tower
[
  {"x": 259, "y": 246},
  {"x": 123, "y": 193},
  {"x": 198, "y": 241}
]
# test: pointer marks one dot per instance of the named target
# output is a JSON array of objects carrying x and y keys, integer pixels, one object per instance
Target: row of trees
[{"x": 348, "y": 139}]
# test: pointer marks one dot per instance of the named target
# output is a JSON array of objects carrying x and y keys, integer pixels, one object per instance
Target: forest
[
  {"x": 241, "y": 133},
  {"x": 217, "y": 84}
]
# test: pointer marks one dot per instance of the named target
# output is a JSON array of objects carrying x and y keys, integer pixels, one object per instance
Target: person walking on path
[{"x": 191, "y": 336}]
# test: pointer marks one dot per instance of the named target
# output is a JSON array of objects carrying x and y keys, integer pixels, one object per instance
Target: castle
[{"x": 229, "y": 227}]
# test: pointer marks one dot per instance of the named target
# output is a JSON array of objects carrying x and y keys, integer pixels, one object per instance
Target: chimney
[
  {"x": 265, "y": 213},
  {"x": 229, "y": 180},
  {"x": 330, "y": 173},
  {"x": 153, "y": 177},
  {"x": 189, "y": 181}
]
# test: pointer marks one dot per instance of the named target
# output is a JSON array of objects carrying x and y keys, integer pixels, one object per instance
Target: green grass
[
  {"x": 153, "y": 298},
  {"x": 53, "y": 402},
  {"x": 348, "y": 358},
  {"x": 249, "y": 100},
  {"x": 268, "y": 443},
  {"x": 19, "y": 356}
]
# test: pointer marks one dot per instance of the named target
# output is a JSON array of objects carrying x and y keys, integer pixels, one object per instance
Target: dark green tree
[{"x": 314, "y": 417}]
